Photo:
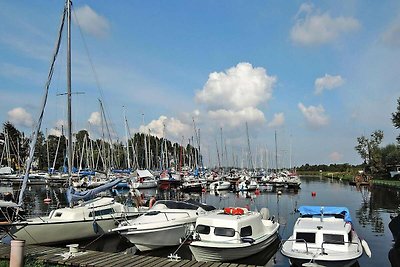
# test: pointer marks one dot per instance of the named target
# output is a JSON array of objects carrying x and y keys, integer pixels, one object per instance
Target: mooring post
[{"x": 17, "y": 253}]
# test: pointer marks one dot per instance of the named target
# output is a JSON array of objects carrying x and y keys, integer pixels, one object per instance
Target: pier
[{"x": 89, "y": 258}]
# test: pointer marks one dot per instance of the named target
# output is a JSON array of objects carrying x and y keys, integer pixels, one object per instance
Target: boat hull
[
  {"x": 47, "y": 232},
  {"x": 150, "y": 239},
  {"x": 229, "y": 252}
]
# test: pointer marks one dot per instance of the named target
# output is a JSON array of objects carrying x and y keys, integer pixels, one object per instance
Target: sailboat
[{"x": 92, "y": 216}]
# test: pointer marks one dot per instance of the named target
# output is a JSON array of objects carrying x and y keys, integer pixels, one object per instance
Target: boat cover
[
  {"x": 74, "y": 196},
  {"x": 326, "y": 210}
]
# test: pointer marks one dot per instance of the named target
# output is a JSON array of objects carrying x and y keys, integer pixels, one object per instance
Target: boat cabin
[
  {"x": 229, "y": 227},
  {"x": 319, "y": 228}
]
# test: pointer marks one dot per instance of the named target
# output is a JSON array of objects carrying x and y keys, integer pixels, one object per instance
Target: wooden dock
[{"x": 88, "y": 258}]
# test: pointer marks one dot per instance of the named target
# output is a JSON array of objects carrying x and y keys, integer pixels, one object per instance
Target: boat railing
[
  {"x": 295, "y": 240},
  {"x": 338, "y": 243},
  {"x": 155, "y": 212}
]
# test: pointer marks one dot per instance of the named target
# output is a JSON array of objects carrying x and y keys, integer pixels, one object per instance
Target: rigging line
[
  {"x": 96, "y": 77},
  {"x": 44, "y": 101}
]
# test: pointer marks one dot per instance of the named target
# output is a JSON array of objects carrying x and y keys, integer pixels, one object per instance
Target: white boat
[
  {"x": 324, "y": 236},
  {"x": 144, "y": 179},
  {"x": 248, "y": 185},
  {"x": 231, "y": 234},
  {"x": 167, "y": 223},
  {"x": 91, "y": 218},
  {"x": 220, "y": 185}
]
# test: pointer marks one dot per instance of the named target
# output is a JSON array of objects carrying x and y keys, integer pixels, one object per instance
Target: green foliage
[
  {"x": 369, "y": 150},
  {"x": 396, "y": 119},
  {"x": 342, "y": 168},
  {"x": 390, "y": 155},
  {"x": 96, "y": 154}
]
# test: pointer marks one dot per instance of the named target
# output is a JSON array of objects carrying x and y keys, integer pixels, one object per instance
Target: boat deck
[{"x": 60, "y": 256}]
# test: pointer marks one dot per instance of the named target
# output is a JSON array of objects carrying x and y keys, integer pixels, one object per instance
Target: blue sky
[{"x": 319, "y": 73}]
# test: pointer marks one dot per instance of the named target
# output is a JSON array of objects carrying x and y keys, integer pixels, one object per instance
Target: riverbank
[{"x": 346, "y": 176}]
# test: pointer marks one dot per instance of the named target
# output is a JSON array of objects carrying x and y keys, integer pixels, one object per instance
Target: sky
[{"x": 318, "y": 74}]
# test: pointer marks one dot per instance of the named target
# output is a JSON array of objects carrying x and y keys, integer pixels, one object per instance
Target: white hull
[
  {"x": 228, "y": 251},
  {"x": 56, "y": 232},
  {"x": 145, "y": 185},
  {"x": 330, "y": 258},
  {"x": 156, "y": 238},
  {"x": 92, "y": 218}
]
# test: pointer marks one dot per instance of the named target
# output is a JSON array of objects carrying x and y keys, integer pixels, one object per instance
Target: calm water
[{"x": 370, "y": 210}]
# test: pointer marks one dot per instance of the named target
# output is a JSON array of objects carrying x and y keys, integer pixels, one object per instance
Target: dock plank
[
  {"x": 110, "y": 258},
  {"x": 121, "y": 259},
  {"x": 88, "y": 261},
  {"x": 52, "y": 255}
]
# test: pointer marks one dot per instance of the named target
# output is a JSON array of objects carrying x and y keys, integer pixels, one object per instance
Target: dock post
[{"x": 17, "y": 253}]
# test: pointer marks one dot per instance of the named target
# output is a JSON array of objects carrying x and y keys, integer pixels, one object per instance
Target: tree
[
  {"x": 396, "y": 119},
  {"x": 390, "y": 155},
  {"x": 368, "y": 148}
]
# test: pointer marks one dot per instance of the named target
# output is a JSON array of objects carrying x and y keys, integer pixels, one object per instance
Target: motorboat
[
  {"x": 220, "y": 185},
  {"x": 144, "y": 180},
  {"x": 167, "y": 223},
  {"x": 232, "y": 234},
  {"x": 248, "y": 185},
  {"x": 324, "y": 236}
]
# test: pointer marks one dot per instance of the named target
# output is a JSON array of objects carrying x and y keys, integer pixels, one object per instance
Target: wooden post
[{"x": 17, "y": 253}]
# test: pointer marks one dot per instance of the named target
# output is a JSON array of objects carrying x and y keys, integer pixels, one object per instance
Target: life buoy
[{"x": 234, "y": 211}]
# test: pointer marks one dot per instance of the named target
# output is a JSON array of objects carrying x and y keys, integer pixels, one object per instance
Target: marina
[
  {"x": 215, "y": 179},
  {"x": 369, "y": 207}
]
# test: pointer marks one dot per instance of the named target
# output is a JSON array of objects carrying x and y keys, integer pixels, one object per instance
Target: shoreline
[{"x": 349, "y": 177}]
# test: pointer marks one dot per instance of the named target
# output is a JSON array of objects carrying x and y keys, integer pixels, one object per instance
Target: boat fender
[
  {"x": 152, "y": 201},
  {"x": 264, "y": 213},
  {"x": 366, "y": 248},
  {"x": 95, "y": 227},
  {"x": 247, "y": 240}
]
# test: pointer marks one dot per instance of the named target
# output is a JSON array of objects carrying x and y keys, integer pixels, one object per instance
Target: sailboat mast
[
  {"x": 276, "y": 154},
  {"x": 69, "y": 91}
]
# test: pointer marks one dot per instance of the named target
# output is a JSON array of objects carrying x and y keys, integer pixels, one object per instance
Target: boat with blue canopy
[{"x": 324, "y": 236}]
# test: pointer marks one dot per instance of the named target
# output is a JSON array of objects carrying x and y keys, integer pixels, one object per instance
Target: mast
[
  {"x": 69, "y": 92},
  {"x": 249, "y": 148},
  {"x": 145, "y": 145},
  {"x": 276, "y": 155},
  {"x": 127, "y": 141}
]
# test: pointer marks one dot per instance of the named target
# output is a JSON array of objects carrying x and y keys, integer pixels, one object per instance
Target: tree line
[
  {"x": 377, "y": 159},
  {"x": 141, "y": 151}
]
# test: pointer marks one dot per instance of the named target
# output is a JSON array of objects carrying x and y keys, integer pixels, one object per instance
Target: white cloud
[
  {"x": 335, "y": 156},
  {"x": 174, "y": 128},
  {"x": 277, "y": 121},
  {"x": 232, "y": 97},
  {"x": 55, "y": 132},
  {"x": 58, "y": 128},
  {"x": 313, "y": 27},
  {"x": 231, "y": 118},
  {"x": 91, "y": 22},
  {"x": 327, "y": 82},
  {"x": 239, "y": 87},
  {"x": 20, "y": 117},
  {"x": 315, "y": 116},
  {"x": 95, "y": 118},
  {"x": 392, "y": 34}
]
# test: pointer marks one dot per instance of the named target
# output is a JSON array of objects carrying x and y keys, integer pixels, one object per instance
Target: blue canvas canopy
[
  {"x": 74, "y": 196},
  {"x": 325, "y": 210}
]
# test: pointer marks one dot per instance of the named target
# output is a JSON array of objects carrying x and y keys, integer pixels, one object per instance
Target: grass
[
  {"x": 377, "y": 180},
  {"x": 30, "y": 262}
]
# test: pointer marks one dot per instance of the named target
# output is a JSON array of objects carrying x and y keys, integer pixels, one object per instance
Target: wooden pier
[{"x": 88, "y": 258}]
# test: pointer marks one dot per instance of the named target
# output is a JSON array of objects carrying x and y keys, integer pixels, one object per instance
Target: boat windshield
[{"x": 192, "y": 205}]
